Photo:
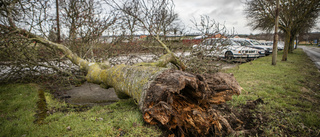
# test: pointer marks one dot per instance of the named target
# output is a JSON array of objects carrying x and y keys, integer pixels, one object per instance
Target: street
[{"x": 313, "y": 53}]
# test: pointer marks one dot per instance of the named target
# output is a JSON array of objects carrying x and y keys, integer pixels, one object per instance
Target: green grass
[
  {"x": 18, "y": 109},
  {"x": 290, "y": 90},
  {"x": 311, "y": 45}
]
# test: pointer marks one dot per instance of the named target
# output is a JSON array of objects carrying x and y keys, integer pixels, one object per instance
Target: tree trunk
[
  {"x": 58, "y": 22},
  {"x": 175, "y": 99},
  {"x": 172, "y": 98},
  {"x": 291, "y": 44},
  {"x": 275, "y": 39},
  {"x": 286, "y": 46}
]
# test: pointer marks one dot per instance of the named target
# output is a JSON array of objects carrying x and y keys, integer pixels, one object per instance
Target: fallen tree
[{"x": 176, "y": 99}]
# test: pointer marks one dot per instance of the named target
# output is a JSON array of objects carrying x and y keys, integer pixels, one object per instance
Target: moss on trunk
[{"x": 130, "y": 80}]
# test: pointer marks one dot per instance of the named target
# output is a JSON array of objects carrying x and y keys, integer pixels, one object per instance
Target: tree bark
[
  {"x": 172, "y": 98},
  {"x": 286, "y": 46},
  {"x": 275, "y": 39},
  {"x": 58, "y": 22},
  {"x": 291, "y": 44}
]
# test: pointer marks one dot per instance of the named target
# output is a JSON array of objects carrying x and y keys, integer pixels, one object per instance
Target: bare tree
[
  {"x": 152, "y": 16},
  {"x": 38, "y": 17},
  {"x": 24, "y": 58},
  {"x": 130, "y": 23},
  {"x": 207, "y": 26},
  {"x": 295, "y": 16},
  {"x": 169, "y": 17},
  {"x": 86, "y": 22}
]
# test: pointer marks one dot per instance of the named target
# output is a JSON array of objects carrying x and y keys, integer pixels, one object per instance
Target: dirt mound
[{"x": 246, "y": 118}]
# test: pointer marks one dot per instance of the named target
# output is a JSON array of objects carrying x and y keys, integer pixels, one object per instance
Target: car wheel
[{"x": 229, "y": 55}]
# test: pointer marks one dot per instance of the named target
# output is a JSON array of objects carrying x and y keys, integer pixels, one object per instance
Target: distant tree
[
  {"x": 208, "y": 27},
  {"x": 130, "y": 23},
  {"x": 85, "y": 22},
  {"x": 295, "y": 16},
  {"x": 151, "y": 16},
  {"x": 169, "y": 17}
]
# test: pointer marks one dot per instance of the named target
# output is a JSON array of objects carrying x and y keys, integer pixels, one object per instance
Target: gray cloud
[{"x": 229, "y": 12}]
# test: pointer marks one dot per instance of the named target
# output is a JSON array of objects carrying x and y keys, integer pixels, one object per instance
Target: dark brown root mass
[{"x": 183, "y": 102}]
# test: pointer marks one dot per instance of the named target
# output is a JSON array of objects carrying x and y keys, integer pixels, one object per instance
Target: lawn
[
  {"x": 289, "y": 90},
  {"x": 19, "y": 116}
]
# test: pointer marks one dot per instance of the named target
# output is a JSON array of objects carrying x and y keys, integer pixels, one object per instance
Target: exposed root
[{"x": 181, "y": 102}]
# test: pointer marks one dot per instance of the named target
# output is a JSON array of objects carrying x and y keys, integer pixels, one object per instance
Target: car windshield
[
  {"x": 222, "y": 42},
  {"x": 233, "y": 43},
  {"x": 244, "y": 43},
  {"x": 255, "y": 42}
]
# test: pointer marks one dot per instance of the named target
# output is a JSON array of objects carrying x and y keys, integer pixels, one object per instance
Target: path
[{"x": 91, "y": 94}]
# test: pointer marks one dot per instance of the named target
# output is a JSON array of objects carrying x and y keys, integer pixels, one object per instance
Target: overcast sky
[{"x": 229, "y": 12}]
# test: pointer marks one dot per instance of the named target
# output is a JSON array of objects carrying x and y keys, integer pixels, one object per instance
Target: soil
[
  {"x": 248, "y": 117},
  {"x": 245, "y": 119},
  {"x": 194, "y": 105}
]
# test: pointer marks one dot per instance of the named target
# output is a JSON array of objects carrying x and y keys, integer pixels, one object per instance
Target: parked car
[
  {"x": 254, "y": 44},
  {"x": 270, "y": 43},
  {"x": 261, "y": 51},
  {"x": 225, "y": 48},
  {"x": 267, "y": 43},
  {"x": 280, "y": 45}
]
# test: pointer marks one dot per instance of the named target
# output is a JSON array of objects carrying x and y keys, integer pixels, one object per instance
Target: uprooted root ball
[{"x": 181, "y": 101}]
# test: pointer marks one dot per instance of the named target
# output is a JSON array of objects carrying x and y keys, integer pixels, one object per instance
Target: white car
[
  {"x": 270, "y": 43},
  {"x": 254, "y": 44},
  {"x": 225, "y": 48}
]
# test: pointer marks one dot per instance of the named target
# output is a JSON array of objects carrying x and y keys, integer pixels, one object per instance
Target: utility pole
[
  {"x": 276, "y": 36},
  {"x": 58, "y": 24}
]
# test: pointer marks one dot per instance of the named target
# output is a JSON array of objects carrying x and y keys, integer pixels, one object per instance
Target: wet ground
[{"x": 90, "y": 94}]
